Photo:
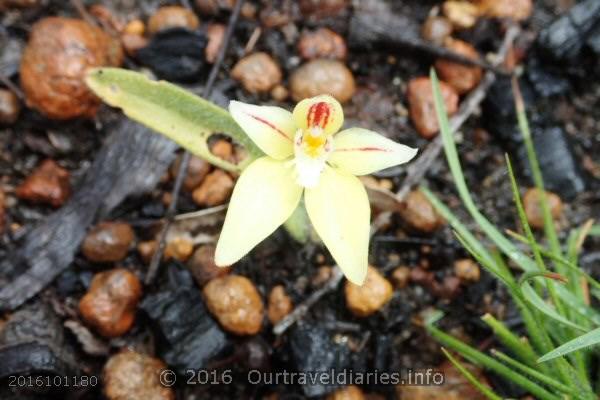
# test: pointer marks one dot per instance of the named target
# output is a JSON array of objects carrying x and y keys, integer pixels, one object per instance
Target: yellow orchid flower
[{"x": 305, "y": 155}]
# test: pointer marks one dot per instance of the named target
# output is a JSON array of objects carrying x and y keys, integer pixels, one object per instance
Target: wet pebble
[
  {"x": 258, "y": 72},
  {"x": 236, "y": 304},
  {"x": 279, "y": 93},
  {"x": 135, "y": 27},
  {"x": 179, "y": 248},
  {"x": 419, "y": 213},
  {"x": 222, "y": 149},
  {"x": 55, "y": 61},
  {"x": 533, "y": 210},
  {"x": 108, "y": 242},
  {"x": 517, "y": 10},
  {"x": 215, "y": 33},
  {"x": 351, "y": 392},
  {"x": 467, "y": 270},
  {"x": 172, "y": 17},
  {"x": 322, "y": 76},
  {"x": 9, "y": 107},
  {"x": 129, "y": 375},
  {"x": 48, "y": 184},
  {"x": 214, "y": 190},
  {"x": 202, "y": 265},
  {"x": 422, "y": 108},
  {"x": 322, "y": 43},
  {"x": 461, "y": 77},
  {"x": 196, "y": 172},
  {"x": 401, "y": 277},
  {"x": 280, "y": 304},
  {"x": 436, "y": 29},
  {"x": 111, "y": 301},
  {"x": 367, "y": 299},
  {"x": 463, "y": 14}
]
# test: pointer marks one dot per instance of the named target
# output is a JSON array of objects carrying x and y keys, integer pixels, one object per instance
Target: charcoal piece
[
  {"x": 564, "y": 38},
  {"x": 32, "y": 343},
  {"x": 191, "y": 336},
  {"x": 131, "y": 161},
  {"x": 175, "y": 54},
  {"x": 313, "y": 349},
  {"x": 547, "y": 80},
  {"x": 593, "y": 41}
]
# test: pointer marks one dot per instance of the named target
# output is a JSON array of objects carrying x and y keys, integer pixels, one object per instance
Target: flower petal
[
  {"x": 323, "y": 111},
  {"x": 264, "y": 197},
  {"x": 339, "y": 210},
  {"x": 271, "y": 128},
  {"x": 361, "y": 152}
]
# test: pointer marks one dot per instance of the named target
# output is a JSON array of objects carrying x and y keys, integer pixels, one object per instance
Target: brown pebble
[
  {"x": 203, "y": 267},
  {"x": 222, "y": 149},
  {"x": 322, "y": 43},
  {"x": 146, "y": 250},
  {"x": 280, "y": 304},
  {"x": 213, "y": 7},
  {"x": 463, "y": 14},
  {"x": 108, "y": 242},
  {"x": 422, "y": 107},
  {"x": 279, "y": 93},
  {"x": 323, "y": 275},
  {"x": 55, "y": 61},
  {"x": 449, "y": 288},
  {"x": 111, "y": 301},
  {"x": 215, "y": 33},
  {"x": 135, "y": 27},
  {"x": 322, "y": 8},
  {"x": 419, "y": 214},
  {"x": 129, "y": 375},
  {"x": 236, "y": 304},
  {"x": 367, "y": 299},
  {"x": 518, "y": 10},
  {"x": 436, "y": 29},
  {"x": 350, "y": 392},
  {"x": 467, "y": 270},
  {"x": 401, "y": 277},
  {"x": 132, "y": 43},
  {"x": 9, "y": 107},
  {"x": 257, "y": 72},
  {"x": 197, "y": 170},
  {"x": 322, "y": 76},
  {"x": 48, "y": 184},
  {"x": 13, "y": 4},
  {"x": 214, "y": 190},
  {"x": 533, "y": 210},
  {"x": 172, "y": 17},
  {"x": 108, "y": 20},
  {"x": 179, "y": 248},
  {"x": 461, "y": 77}
]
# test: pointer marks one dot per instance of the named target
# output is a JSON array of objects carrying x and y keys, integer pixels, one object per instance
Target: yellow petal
[
  {"x": 271, "y": 128},
  {"x": 264, "y": 197},
  {"x": 361, "y": 152},
  {"x": 339, "y": 210},
  {"x": 321, "y": 111}
]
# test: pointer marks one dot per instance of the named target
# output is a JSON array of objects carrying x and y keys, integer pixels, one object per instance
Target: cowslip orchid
[{"x": 306, "y": 155}]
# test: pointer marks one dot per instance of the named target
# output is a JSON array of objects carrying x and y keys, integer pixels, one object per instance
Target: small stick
[
  {"x": 417, "y": 170},
  {"x": 303, "y": 308},
  {"x": 183, "y": 166}
]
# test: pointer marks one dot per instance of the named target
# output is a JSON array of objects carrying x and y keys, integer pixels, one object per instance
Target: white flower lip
[{"x": 305, "y": 154}]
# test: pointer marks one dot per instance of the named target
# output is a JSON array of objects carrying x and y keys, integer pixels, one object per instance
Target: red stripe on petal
[
  {"x": 270, "y": 125},
  {"x": 318, "y": 114}
]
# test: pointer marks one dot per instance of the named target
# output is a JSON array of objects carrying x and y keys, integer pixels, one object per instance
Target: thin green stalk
[
  {"x": 484, "y": 389},
  {"x": 515, "y": 344}
]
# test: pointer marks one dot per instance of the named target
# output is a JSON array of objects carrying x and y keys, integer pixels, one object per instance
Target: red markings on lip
[
  {"x": 365, "y": 149},
  {"x": 270, "y": 125},
  {"x": 318, "y": 114}
]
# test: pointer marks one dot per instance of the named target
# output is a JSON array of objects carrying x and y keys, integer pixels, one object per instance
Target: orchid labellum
[{"x": 305, "y": 154}]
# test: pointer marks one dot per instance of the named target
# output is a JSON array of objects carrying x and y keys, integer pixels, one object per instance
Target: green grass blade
[
  {"x": 520, "y": 348},
  {"x": 178, "y": 114},
  {"x": 586, "y": 340},
  {"x": 532, "y": 297},
  {"x": 484, "y": 389}
]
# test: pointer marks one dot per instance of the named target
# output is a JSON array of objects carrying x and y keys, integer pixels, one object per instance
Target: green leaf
[
  {"x": 487, "y": 392},
  {"x": 178, "y": 114},
  {"x": 586, "y": 340}
]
